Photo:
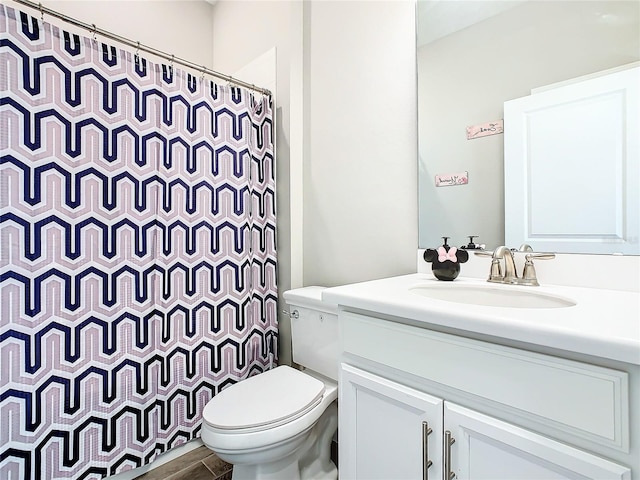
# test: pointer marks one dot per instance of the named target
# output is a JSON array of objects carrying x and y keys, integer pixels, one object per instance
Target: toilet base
[
  {"x": 312, "y": 461},
  {"x": 316, "y": 464}
]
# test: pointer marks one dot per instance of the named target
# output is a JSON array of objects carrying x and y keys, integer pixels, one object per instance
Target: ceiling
[{"x": 439, "y": 18}]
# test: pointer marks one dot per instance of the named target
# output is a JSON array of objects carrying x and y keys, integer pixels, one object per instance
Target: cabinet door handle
[
  {"x": 426, "y": 463},
  {"x": 448, "y": 441}
]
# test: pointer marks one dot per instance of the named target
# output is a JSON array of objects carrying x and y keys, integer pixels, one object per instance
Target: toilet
[{"x": 279, "y": 425}]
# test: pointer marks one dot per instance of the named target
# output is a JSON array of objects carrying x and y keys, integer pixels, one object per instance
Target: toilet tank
[{"x": 314, "y": 334}]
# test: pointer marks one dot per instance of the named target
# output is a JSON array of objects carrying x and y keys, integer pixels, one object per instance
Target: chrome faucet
[
  {"x": 496, "y": 276},
  {"x": 510, "y": 275}
]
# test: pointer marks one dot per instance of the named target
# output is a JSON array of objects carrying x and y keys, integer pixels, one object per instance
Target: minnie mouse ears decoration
[{"x": 445, "y": 260}]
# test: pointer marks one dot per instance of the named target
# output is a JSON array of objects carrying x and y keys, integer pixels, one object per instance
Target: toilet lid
[{"x": 265, "y": 400}]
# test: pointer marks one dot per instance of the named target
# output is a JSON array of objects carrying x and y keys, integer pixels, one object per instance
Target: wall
[
  {"x": 360, "y": 208},
  {"x": 346, "y": 117},
  {"x": 465, "y": 78},
  {"x": 179, "y": 27}
]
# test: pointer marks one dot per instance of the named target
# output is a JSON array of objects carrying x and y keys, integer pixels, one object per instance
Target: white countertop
[{"x": 603, "y": 323}]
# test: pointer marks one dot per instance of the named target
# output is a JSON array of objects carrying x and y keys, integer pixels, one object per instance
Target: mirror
[{"x": 475, "y": 55}]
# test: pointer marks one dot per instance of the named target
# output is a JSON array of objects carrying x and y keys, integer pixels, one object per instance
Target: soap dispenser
[
  {"x": 446, "y": 260},
  {"x": 471, "y": 245}
]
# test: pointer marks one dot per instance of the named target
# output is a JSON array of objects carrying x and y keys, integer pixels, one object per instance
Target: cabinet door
[
  {"x": 383, "y": 429},
  {"x": 488, "y": 449}
]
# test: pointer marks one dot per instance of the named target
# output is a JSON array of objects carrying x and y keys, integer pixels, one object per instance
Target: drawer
[{"x": 589, "y": 401}]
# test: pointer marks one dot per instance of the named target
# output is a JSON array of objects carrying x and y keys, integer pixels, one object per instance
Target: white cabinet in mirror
[{"x": 572, "y": 165}]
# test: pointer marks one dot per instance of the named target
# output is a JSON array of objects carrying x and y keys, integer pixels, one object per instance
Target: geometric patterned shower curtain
[{"x": 137, "y": 251}]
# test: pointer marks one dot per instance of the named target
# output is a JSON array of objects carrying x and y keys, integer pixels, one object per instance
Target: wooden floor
[
  {"x": 198, "y": 464},
  {"x": 201, "y": 464}
]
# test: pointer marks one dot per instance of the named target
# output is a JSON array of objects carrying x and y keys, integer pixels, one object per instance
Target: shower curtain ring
[
  {"x": 41, "y": 12},
  {"x": 136, "y": 55},
  {"x": 93, "y": 32},
  {"x": 202, "y": 74},
  {"x": 171, "y": 63}
]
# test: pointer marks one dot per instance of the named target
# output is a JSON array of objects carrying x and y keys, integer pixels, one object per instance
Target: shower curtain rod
[{"x": 138, "y": 46}]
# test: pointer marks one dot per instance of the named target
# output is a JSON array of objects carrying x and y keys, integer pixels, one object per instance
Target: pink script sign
[
  {"x": 490, "y": 128},
  {"x": 450, "y": 179}
]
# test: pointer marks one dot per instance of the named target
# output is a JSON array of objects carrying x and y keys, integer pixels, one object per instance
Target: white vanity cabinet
[
  {"x": 388, "y": 431},
  {"x": 486, "y": 448},
  {"x": 417, "y": 404}
]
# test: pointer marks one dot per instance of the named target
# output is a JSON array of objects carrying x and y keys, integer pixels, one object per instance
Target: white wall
[
  {"x": 178, "y": 27},
  {"x": 360, "y": 199}
]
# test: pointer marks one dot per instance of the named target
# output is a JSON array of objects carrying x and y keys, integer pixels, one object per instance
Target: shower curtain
[{"x": 137, "y": 251}]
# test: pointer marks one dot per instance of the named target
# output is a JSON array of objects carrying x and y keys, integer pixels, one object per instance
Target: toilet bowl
[{"x": 279, "y": 425}]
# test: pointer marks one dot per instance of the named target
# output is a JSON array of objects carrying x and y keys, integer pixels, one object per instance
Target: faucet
[
  {"x": 496, "y": 276},
  {"x": 510, "y": 275}
]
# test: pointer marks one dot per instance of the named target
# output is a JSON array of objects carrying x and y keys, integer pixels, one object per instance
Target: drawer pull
[
  {"x": 426, "y": 463},
  {"x": 448, "y": 441}
]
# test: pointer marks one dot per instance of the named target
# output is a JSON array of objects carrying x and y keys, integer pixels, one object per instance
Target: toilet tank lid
[{"x": 309, "y": 297}]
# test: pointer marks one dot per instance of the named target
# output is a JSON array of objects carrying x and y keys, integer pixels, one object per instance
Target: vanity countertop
[{"x": 603, "y": 323}]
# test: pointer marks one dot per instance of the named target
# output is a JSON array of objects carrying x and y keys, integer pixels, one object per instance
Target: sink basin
[{"x": 491, "y": 296}]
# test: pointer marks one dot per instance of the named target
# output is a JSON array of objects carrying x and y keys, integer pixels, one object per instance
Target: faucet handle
[
  {"x": 495, "y": 275},
  {"x": 525, "y": 247},
  {"x": 540, "y": 256},
  {"x": 529, "y": 276}
]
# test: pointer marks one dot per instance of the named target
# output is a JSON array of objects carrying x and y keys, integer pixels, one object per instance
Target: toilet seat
[{"x": 264, "y": 401}]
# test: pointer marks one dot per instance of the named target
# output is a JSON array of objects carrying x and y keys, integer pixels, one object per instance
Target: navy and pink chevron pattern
[{"x": 137, "y": 251}]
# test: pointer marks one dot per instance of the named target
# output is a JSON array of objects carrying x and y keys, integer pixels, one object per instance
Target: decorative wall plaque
[
  {"x": 486, "y": 129},
  {"x": 451, "y": 179}
]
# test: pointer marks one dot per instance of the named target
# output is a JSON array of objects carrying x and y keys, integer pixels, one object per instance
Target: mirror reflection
[{"x": 473, "y": 56}]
